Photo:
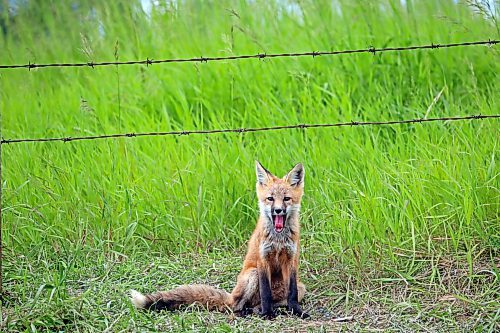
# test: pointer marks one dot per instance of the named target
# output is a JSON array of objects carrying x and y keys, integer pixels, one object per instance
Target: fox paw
[
  {"x": 267, "y": 314},
  {"x": 245, "y": 312},
  {"x": 296, "y": 310},
  {"x": 304, "y": 315}
]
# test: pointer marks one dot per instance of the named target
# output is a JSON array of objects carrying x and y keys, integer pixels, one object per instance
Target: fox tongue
[{"x": 278, "y": 222}]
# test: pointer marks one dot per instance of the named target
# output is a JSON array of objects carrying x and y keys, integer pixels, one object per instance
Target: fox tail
[{"x": 204, "y": 295}]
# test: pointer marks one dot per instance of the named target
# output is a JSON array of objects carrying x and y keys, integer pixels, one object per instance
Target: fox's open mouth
[{"x": 279, "y": 222}]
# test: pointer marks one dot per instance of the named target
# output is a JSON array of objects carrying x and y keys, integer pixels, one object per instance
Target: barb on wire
[
  {"x": 148, "y": 62},
  {"x": 248, "y": 130}
]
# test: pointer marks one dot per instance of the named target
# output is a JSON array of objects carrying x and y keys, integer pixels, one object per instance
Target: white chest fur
[{"x": 277, "y": 246}]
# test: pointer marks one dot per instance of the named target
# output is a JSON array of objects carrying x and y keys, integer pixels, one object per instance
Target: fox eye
[
  {"x": 270, "y": 198},
  {"x": 287, "y": 198}
]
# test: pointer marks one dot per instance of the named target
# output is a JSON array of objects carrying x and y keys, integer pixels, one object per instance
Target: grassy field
[{"x": 400, "y": 224}]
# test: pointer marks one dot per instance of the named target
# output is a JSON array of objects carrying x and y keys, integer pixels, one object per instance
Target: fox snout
[{"x": 279, "y": 211}]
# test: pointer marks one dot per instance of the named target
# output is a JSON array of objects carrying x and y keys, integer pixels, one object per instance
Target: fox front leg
[
  {"x": 293, "y": 297},
  {"x": 266, "y": 297}
]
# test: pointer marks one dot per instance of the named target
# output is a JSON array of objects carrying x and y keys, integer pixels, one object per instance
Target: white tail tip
[{"x": 138, "y": 299}]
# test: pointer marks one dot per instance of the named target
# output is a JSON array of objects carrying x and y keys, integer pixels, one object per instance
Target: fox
[{"x": 269, "y": 277}]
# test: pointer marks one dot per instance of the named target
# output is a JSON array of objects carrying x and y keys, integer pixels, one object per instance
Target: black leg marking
[
  {"x": 246, "y": 311},
  {"x": 293, "y": 297},
  {"x": 266, "y": 297}
]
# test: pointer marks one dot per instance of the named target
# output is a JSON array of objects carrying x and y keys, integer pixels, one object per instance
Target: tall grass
[
  {"x": 431, "y": 187},
  {"x": 391, "y": 215}
]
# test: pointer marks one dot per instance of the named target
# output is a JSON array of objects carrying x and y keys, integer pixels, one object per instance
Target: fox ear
[
  {"x": 263, "y": 175},
  {"x": 296, "y": 175}
]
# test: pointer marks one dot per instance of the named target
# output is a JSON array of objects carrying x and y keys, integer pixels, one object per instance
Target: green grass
[{"x": 400, "y": 224}]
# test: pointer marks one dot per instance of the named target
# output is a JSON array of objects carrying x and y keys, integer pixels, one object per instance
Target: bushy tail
[{"x": 204, "y": 295}]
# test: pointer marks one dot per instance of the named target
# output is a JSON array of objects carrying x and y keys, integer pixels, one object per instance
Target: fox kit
[{"x": 270, "y": 271}]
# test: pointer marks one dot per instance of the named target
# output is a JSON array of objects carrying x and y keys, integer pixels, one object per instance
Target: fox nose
[{"x": 278, "y": 210}]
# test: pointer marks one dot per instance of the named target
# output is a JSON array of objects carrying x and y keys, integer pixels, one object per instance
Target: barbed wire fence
[
  {"x": 249, "y": 130},
  {"x": 148, "y": 62}
]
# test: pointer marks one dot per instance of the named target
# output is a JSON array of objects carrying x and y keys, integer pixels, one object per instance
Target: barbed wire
[
  {"x": 148, "y": 62},
  {"x": 249, "y": 130}
]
